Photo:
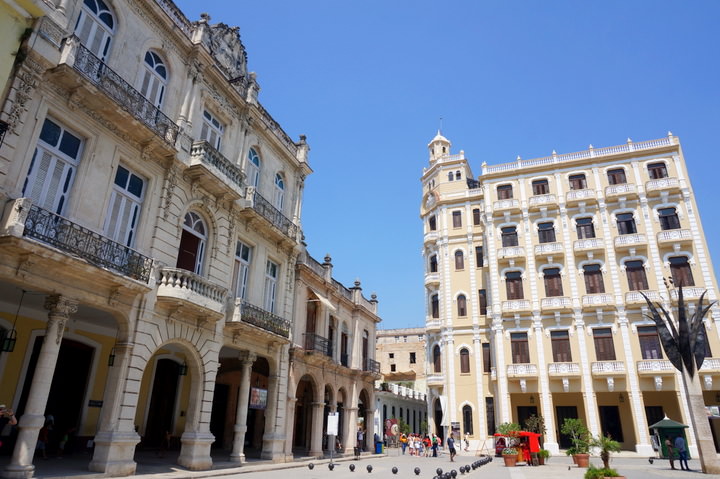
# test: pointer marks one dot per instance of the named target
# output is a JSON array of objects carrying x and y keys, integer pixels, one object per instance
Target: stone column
[
  {"x": 349, "y": 434},
  {"x": 317, "y": 432},
  {"x": 290, "y": 428},
  {"x": 237, "y": 454},
  {"x": 33, "y": 419},
  {"x": 114, "y": 448},
  {"x": 272, "y": 438}
]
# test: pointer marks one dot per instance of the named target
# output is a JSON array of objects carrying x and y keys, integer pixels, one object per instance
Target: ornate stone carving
[
  {"x": 60, "y": 305},
  {"x": 170, "y": 183},
  {"x": 51, "y": 31},
  {"x": 25, "y": 85},
  {"x": 227, "y": 50}
]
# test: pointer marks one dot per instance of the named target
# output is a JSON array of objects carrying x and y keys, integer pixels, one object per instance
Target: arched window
[
  {"x": 279, "y": 191},
  {"x": 154, "y": 79},
  {"x": 95, "y": 27},
  {"x": 464, "y": 361},
  {"x": 459, "y": 260},
  {"x": 461, "y": 305},
  {"x": 457, "y": 175},
  {"x": 450, "y": 176},
  {"x": 192, "y": 243},
  {"x": 437, "y": 363},
  {"x": 253, "y": 168},
  {"x": 467, "y": 419}
]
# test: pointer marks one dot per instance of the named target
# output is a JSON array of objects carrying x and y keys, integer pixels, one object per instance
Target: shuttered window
[
  {"x": 540, "y": 187},
  {"x": 479, "y": 259},
  {"x": 509, "y": 236},
  {"x": 546, "y": 233},
  {"x": 154, "y": 79},
  {"x": 457, "y": 219},
  {"x": 657, "y": 171},
  {"x": 626, "y": 224},
  {"x": 464, "y": 361},
  {"x": 519, "y": 348},
  {"x": 681, "y": 271},
  {"x": 124, "y": 209},
  {"x": 95, "y": 27},
  {"x": 637, "y": 280},
  {"x": 487, "y": 357},
  {"x": 585, "y": 228},
  {"x": 513, "y": 285},
  {"x": 649, "y": 342},
  {"x": 560, "y": 341},
  {"x": 211, "y": 130},
  {"x": 504, "y": 192},
  {"x": 604, "y": 347},
  {"x": 668, "y": 219},
  {"x": 482, "y": 297},
  {"x": 459, "y": 261},
  {"x": 577, "y": 182},
  {"x": 435, "y": 306},
  {"x": 553, "y": 282},
  {"x": 476, "y": 216},
  {"x": 616, "y": 177},
  {"x": 593, "y": 279}
]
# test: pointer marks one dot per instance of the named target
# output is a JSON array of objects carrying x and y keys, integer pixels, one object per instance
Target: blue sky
[{"x": 367, "y": 81}]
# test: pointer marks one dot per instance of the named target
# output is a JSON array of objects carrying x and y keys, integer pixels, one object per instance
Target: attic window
[{"x": 443, "y": 149}]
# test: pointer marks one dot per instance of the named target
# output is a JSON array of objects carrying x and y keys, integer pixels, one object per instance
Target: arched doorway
[
  {"x": 437, "y": 416},
  {"x": 160, "y": 420},
  {"x": 328, "y": 399},
  {"x": 302, "y": 433},
  {"x": 363, "y": 424},
  {"x": 341, "y": 417}
]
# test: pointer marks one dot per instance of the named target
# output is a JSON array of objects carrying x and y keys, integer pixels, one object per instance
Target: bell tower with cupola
[{"x": 438, "y": 147}]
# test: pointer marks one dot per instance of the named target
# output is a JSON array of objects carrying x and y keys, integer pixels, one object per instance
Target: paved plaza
[{"x": 558, "y": 467}]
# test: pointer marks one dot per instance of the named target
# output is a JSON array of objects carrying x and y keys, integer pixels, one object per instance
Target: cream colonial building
[
  {"x": 532, "y": 274},
  {"x": 151, "y": 255}
]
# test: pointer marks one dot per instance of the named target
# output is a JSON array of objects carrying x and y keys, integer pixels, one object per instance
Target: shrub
[
  {"x": 600, "y": 472},
  {"x": 509, "y": 451}
]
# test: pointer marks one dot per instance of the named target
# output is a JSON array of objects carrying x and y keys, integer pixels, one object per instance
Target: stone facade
[
  {"x": 150, "y": 236},
  {"x": 533, "y": 278}
]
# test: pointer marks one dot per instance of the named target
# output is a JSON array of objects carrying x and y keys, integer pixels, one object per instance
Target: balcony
[
  {"x": 432, "y": 278},
  {"x": 84, "y": 244},
  {"x": 371, "y": 366},
  {"x": 710, "y": 365},
  {"x": 431, "y": 237},
  {"x": 555, "y": 303},
  {"x": 435, "y": 379},
  {"x": 511, "y": 252},
  {"x": 589, "y": 244},
  {"x": 256, "y": 204},
  {"x": 656, "y": 187},
  {"x": 316, "y": 343},
  {"x": 91, "y": 82},
  {"x": 608, "y": 368},
  {"x": 542, "y": 201},
  {"x": 578, "y": 196},
  {"x": 514, "y": 305},
  {"x": 433, "y": 325},
  {"x": 689, "y": 292},
  {"x": 634, "y": 297},
  {"x": 549, "y": 249},
  {"x": 672, "y": 237},
  {"x": 179, "y": 287},
  {"x": 214, "y": 172},
  {"x": 506, "y": 205},
  {"x": 251, "y": 319},
  {"x": 655, "y": 367},
  {"x": 598, "y": 300},
  {"x": 564, "y": 369},
  {"x": 630, "y": 241},
  {"x": 626, "y": 190},
  {"x": 523, "y": 370}
]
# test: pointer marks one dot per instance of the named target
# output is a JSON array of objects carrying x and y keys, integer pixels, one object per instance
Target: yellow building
[{"x": 533, "y": 274}]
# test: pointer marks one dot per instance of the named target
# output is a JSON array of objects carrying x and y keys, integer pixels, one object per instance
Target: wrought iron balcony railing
[
  {"x": 94, "y": 248},
  {"x": 371, "y": 366},
  {"x": 251, "y": 314},
  {"x": 127, "y": 97},
  {"x": 315, "y": 342},
  {"x": 273, "y": 215}
]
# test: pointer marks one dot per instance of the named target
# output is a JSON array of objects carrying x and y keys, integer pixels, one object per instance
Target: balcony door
[{"x": 192, "y": 244}]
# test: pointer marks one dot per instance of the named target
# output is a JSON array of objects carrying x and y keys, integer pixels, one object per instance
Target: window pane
[
  {"x": 604, "y": 347},
  {"x": 505, "y": 192},
  {"x": 464, "y": 361}
]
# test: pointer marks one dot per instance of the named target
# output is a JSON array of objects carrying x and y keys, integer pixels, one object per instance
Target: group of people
[
  {"x": 426, "y": 445},
  {"x": 677, "y": 448}
]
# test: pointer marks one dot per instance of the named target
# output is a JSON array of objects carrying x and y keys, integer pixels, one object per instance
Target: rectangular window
[
  {"x": 553, "y": 282},
  {"x": 391, "y": 355},
  {"x": 616, "y": 177},
  {"x": 476, "y": 216},
  {"x": 212, "y": 130},
  {"x": 482, "y": 296},
  {"x": 509, "y": 236},
  {"x": 657, "y": 171},
  {"x": 271, "y": 277},
  {"x": 513, "y": 285},
  {"x": 392, "y": 368},
  {"x": 519, "y": 348},
  {"x": 604, "y": 347},
  {"x": 52, "y": 169},
  {"x": 479, "y": 258},
  {"x": 578, "y": 182},
  {"x": 432, "y": 223},
  {"x": 243, "y": 256},
  {"x": 593, "y": 279},
  {"x": 626, "y": 224},
  {"x": 681, "y": 271},
  {"x": 637, "y": 280},
  {"x": 560, "y": 341},
  {"x": 546, "y": 233},
  {"x": 435, "y": 306},
  {"x": 490, "y": 414},
  {"x": 585, "y": 228},
  {"x": 412, "y": 358},
  {"x": 504, "y": 192},
  {"x": 433, "y": 264},
  {"x": 457, "y": 219},
  {"x": 487, "y": 357},
  {"x": 124, "y": 209},
  {"x": 649, "y": 342},
  {"x": 668, "y": 219},
  {"x": 464, "y": 361},
  {"x": 540, "y": 187}
]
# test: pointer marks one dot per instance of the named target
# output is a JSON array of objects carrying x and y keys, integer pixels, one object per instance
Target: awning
[
  {"x": 324, "y": 300},
  {"x": 445, "y": 416}
]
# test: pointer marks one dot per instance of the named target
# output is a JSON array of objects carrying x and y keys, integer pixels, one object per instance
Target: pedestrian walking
[
  {"x": 467, "y": 441},
  {"x": 670, "y": 452},
  {"x": 403, "y": 442},
  {"x": 682, "y": 453},
  {"x": 451, "y": 447}
]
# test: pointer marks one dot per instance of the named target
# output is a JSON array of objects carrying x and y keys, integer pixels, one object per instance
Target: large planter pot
[
  {"x": 541, "y": 460},
  {"x": 582, "y": 460},
  {"x": 510, "y": 460}
]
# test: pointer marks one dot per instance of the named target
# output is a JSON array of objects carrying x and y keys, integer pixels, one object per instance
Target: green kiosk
[{"x": 667, "y": 428}]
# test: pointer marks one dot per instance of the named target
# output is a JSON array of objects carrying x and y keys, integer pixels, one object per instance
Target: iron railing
[
  {"x": 371, "y": 366},
  {"x": 94, "y": 248},
  {"x": 129, "y": 99},
  {"x": 315, "y": 342},
  {"x": 274, "y": 216},
  {"x": 251, "y": 314}
]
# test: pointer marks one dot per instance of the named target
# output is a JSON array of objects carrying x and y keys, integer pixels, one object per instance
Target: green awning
[{"x": 667, "y": 423}]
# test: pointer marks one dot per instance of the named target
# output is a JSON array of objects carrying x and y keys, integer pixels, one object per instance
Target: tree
[
  {"x": 536, "y": 424},
  {"x": 579, "y": 435},
  {"x": 685, "y": 345}
]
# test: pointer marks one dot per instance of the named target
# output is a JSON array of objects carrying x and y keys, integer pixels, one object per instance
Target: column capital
[
  {"x": 247, "y": 357},
  {"x": 59, "y": 305}
]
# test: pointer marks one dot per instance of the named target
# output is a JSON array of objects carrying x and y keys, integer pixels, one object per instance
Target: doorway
[
  {"x": 524, "y": 412},
  {"x": 219, "y": 413},
  {"x": 160, "y": 418},
  {"x": 562, "y": 413},
  {"x": 610, "y": 422}
]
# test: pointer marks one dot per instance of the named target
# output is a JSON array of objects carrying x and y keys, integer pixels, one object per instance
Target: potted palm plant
[
  {"x": 543, "y": 456},
  {"x": 580, "y": 438},
  {"x": 606, "y": 445}
]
